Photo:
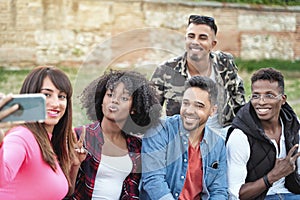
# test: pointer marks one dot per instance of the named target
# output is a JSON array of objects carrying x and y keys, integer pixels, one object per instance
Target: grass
[
  {"x": 282, "y": 65},
  {"x": 11, "y": 81}
]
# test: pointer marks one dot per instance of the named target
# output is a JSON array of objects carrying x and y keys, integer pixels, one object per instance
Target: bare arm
[
  {"x": 252, "y": 189},
  {"x": 80, "y": 153},
  {"x": 73, "y": 175}
]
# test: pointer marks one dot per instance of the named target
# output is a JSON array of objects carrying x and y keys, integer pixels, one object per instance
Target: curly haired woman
[{"x": 123, "y": 105}]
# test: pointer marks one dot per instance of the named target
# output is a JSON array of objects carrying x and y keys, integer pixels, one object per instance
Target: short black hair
[
  {"x": 209, "y": 21},
  {"x": 204, "y": 83},
  {"x": 270, "y": 74}
]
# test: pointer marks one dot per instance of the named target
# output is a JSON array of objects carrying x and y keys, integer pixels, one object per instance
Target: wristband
[{"x": 267, "y": 183}]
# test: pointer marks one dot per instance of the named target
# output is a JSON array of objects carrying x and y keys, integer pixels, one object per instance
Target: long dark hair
[
  {"x": 145, "y": 106},
  {"x": 62, "y": 141}
]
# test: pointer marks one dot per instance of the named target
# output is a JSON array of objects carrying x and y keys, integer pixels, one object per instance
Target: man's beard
[{"x": 194, "y": 57}]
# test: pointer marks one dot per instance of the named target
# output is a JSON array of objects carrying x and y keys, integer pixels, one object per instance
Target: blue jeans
[{"x": 283, "y": 196}]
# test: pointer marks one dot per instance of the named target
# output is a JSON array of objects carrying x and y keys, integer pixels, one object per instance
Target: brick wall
[{"x": 125, "y": 33}]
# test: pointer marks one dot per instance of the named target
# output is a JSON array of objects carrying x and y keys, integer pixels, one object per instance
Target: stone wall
[{"x": 125, "y": 33}]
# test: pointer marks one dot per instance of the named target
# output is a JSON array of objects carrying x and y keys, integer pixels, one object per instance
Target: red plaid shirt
[{"x": 87, "y": 173}]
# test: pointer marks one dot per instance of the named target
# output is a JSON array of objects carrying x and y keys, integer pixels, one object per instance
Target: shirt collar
[
  {"x": 182, "y": 66},
  {"x": 185, "y": 133}
]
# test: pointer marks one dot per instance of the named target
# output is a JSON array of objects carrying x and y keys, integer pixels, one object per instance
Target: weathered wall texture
[{"x": 72, "y": 32}]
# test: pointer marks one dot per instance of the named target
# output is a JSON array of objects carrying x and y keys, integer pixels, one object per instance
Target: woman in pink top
[{"x": 36, "y": 158}]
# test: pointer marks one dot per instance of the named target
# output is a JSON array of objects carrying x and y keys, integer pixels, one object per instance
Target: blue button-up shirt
[{"x": 165, "y": 162}]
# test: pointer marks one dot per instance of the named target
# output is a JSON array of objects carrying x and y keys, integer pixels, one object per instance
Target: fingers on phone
[
  {"x": 6, "y": 112},
  {"x": 5, "y": 99},
  {"x": 13, "y": 108}
]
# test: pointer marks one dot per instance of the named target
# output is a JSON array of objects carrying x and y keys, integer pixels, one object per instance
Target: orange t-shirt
[{"x": 193, "y": 183}]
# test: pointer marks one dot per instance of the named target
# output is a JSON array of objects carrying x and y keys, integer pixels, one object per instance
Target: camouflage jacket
[{"x": 169, "y": 79}]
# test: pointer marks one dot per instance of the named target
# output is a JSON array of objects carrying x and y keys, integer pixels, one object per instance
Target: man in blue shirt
[{"x": 182, "y": 158}]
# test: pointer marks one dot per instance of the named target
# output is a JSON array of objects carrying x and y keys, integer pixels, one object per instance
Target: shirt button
[
  {"x": 182, "y": 177},
  {"x": 176, "y": 194},
  {"x": 185, "y": 160}
]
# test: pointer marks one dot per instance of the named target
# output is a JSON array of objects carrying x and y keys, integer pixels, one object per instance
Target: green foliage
[
  {"x": 251, "y": 65},
  {"x": 11, "y": 80},
  {"x": 261, "y": 2},
  {"x": 6, "y": 72}
]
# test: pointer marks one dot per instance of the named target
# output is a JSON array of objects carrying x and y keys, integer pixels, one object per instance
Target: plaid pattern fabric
[{"x": 88, "y": 169}]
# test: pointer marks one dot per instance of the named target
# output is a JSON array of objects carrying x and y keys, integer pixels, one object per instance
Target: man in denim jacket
[{"x": 182, "y": 158}]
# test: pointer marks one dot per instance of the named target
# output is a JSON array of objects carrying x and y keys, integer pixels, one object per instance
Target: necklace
[
  {"x": 196, "y": 72},
  {"x": 208, "y": 71}
]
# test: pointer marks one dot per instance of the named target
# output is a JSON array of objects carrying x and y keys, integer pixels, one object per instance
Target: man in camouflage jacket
[{"x": 198, "y": 59}]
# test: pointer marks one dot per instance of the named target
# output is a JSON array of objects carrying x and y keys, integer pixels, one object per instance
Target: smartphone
[{"x": 32, "y": 108}]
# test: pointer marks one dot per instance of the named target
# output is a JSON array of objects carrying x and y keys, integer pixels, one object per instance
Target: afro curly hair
[{"x": 145, "y": 104}]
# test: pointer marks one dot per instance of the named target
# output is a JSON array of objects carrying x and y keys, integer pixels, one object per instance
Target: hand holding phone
[
  {"x": 31, "y": 108},
  {"x": 5, "y": 112}
]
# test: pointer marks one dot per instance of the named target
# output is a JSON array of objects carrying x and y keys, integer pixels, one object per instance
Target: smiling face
[
  {"x": 199, "y": 40},
  {"x": 56, "y": 103},
  {"x": 117, "y": 104},
  {"x": 195, "y": 109},
  {"x": 267, "y": 109}
]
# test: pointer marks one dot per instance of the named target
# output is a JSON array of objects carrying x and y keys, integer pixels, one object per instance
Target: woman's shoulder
[
  {"x": 19, "y": 130},
  {"x": 20, "y": 133}
]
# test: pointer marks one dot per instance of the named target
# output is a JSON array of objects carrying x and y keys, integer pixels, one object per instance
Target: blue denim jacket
[{"x": 165, "y": 162}]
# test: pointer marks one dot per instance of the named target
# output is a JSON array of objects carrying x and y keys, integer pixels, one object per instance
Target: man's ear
[
  {"x": 214, "y": 43},
  {"x": 213, "y": 110}
]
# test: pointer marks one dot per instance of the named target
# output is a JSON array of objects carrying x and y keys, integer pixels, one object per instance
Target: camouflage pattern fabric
[{"x": 169, "y": 79}]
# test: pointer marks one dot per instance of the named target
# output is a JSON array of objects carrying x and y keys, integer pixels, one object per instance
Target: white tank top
[{"x": 111, "y": 174}]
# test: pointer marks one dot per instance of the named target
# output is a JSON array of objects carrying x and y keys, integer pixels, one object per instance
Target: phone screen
[{"x": 32, "y": 108}]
